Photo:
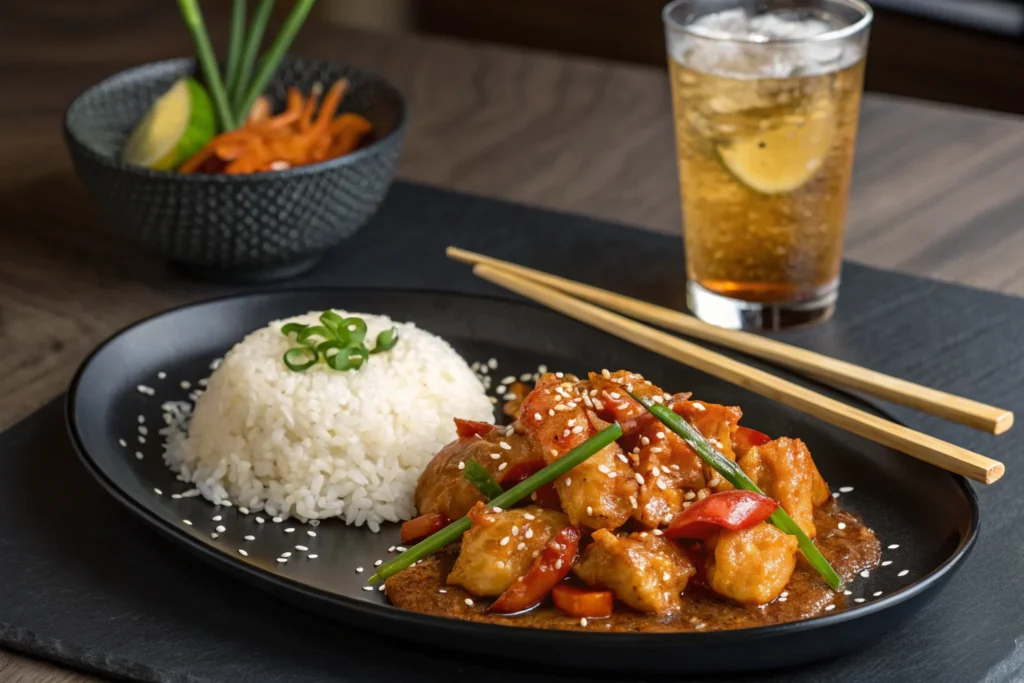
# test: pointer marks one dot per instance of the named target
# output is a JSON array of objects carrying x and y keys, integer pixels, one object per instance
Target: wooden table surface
[{"x": 937, "y": 191}]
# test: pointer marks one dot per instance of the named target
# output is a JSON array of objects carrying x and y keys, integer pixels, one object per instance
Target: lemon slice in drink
[
  {"x": 782, "y": 158},
  {"x": 176, "y": 127}
]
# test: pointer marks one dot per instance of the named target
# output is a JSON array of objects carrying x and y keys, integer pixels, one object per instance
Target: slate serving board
[{"x": 83, "y": 583}]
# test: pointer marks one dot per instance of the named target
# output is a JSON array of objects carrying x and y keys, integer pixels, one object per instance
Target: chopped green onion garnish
[
  {"x": 342, "y": 336},
  {"x": 738, "y": 478},
  {"x": 507, "y": 499},
  {"x": 481, "y": 479}
]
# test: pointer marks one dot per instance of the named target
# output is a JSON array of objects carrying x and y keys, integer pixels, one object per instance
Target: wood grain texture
[{"x": 937, "y": 191}]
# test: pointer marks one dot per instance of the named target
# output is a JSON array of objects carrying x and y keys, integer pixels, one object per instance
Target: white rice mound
[{"x": 323, "y": 443}]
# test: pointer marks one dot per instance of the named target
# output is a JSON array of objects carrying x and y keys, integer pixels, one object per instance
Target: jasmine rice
[{"x": 323, "y": 443}]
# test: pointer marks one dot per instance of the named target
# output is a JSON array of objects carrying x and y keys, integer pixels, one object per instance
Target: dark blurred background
[{"x": 968, "y": 52}]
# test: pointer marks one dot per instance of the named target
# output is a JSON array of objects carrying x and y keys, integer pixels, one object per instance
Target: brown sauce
[{"x": 849, "y": 550}]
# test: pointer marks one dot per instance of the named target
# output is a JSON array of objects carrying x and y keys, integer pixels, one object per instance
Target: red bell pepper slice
[
  {"x": 467, "y": 429},
  {"x": 550, "y": 567},
  {"x": 580, "y": 603},
  {"x": 745, "y": 438},
  {"x": 423, "y": 526},
  {"x": 733, "y": 510}
]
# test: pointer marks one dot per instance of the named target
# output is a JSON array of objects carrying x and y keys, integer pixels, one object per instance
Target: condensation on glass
[{"x": 765, "y": 96}]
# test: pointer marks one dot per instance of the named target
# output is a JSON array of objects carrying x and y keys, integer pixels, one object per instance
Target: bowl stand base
[{"x": 250, "y": 274}]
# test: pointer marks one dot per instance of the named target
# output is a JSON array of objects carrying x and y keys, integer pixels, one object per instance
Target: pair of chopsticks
[{"x": 571, "y": 298}]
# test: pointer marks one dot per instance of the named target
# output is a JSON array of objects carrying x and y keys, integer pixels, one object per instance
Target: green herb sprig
[
  {"x": 738, "y": 478},
  {"x": 507, "y": 499},
  {"x": 482, "y": 479},
  {"x": 338, "y": 341}
]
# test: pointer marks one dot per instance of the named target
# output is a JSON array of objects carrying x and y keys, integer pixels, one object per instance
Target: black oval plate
[{"x": 926, "y": 519}]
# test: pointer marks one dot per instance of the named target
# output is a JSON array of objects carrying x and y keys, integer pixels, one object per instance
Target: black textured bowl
[{"x": 252, "y": 227}]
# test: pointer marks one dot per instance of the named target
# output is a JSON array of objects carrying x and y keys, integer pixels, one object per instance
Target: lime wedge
[
  {"x": 176, "y": 127},
  {"x": 783, "y": 158}
]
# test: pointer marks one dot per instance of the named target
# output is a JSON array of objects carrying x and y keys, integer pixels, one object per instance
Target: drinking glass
[{"x": 765, "y": 96}]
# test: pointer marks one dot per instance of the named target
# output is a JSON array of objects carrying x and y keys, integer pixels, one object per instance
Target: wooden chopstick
[
  {"x": 921, "y": 446},
  {"x": 958, "y": 409}
]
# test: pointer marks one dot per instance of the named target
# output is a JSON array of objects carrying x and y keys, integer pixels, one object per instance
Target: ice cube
[
  {"x": 728, "y": 24},
  {"x": 783, "y": 25}
]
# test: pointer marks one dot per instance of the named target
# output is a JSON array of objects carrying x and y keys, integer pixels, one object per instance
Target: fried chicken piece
[
  {"x": 784, "y": 470},
  {"x": 751, "y": 566}
]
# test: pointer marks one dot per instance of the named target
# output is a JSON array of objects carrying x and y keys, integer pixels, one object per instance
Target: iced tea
[{"x": 766, "y": 111}]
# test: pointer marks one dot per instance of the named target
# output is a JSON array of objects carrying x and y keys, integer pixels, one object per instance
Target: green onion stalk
[
  {"x": 273, "y": 57},
  {"x": 453, "y": 531},
  {"x": 738, "y": 478},
  {"x": 253, "y": 39},
  {"x": 208, "y": 62}
]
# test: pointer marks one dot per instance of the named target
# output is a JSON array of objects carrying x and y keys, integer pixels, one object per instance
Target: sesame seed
[
  {"x": 551, "y": 412},
  {"x": 378, "y": 563},
  {"x": 690, "y": 495},
  {"x": 122, "y": 443},
  {"x": 469, "y": 601},
  {"x": 835, "y": 494},
  {"x": 313, "y": 556},
  {"x": 829, "y": 608},
  {"x": 603, "y": 469},
  {"x": 161, "y": 375},
  {"x": 515, "y": 530},
  {"x": 521, "y": 546},
  {"x": 508, "y": 380},
  {"x": 492, "y": 363},
  {"x": 645, "y": 441},
  {"x": 566, "y": 433},
  {"x": 302, "y": 548},
  {"x": 583, "y": 622},
  {"x": 185, "y": 384},
  {"x": 656, "y": 449},
  {"x": 529, "y": 516},
  {"x": 500, "y": 564},
  {"x": 841, "y": 526},
  {"x": 577, "y": 429},
  {"x": 391, "y": 549},
  {"x": 359, "y": 570},
  {"x": 904, "y": 572},
  {"x": 858, "y": 599},
  {"x": 655, "y": 471},
  {"x": 590, "y": 511},
  {"x": 221, "y": 529},
  {"x": 887, "y": 563},
  {"x": 616, "y": 395},
  {"x": 286, "y": 555},
  {"x": 661, "y": 484},
  {"x": 143, "y": 430},
  {"x": 784, "y": 594},
  {"x": 538, "y": 417},
  {"x": 462, "y": 465},
  {"x": 847, "y": 592},
  {"x": 666, "y": 576},
  {"x": 214, "y": 535},
  {"x": 606, "y": 374},
  {"x": 138, "y": 455},
  {"x": 558, "y": 563},
  {"x": 278, "y": 520},
  {"x": 244, "y": 510},
  {"x": 559, "y": 375},
  {"x": 442, "y": 590},
  {"x": 502, "y": 466},
  {"x": 529, "y": 533},
  {"x": 623, "y": 458},
  {"x": 495, "y": 456},
  {"x": 561, "y": 407},
  {"x": 143, "y": 389},
  {"x": 185, "y": 521},
  {"x": 876, "y": 594},
  {"x": 504, "y": 541},
  {"x": 243, "y": 553},
  {"x": 175, "y": 496},
  {"x": 568, "y": 481},
  {"x": 509, "y": 397},
  {"x": 367, "y": 588},
  {"x": 698, "y": 406},
  {"x": 311, "y": 534},
  {"x": 158, "y": 492},
  {"x": 894, "y": 546},
  {"x": 260, "y": 520},
  {"x": 865, "y": 573},
  {"x": 632, "y": 502},
  {"x": 639, "y": 478},
  {"x": 660, "y": 435},
  {"x": 554, "y": 453},
  {"x": 250, "y": 538},
  {"x": 782, "y": 599},
  {"x": 657, "y": 532},
  {"x": 142, "y": 439},
  {"x": 289, "y": 530}
]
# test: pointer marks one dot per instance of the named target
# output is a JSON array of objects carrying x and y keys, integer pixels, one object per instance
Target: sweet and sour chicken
[{"x": 642, "y": 521}]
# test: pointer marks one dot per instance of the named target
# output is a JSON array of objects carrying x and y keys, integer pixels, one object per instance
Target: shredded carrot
[{"x": 304, "y": 133}]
